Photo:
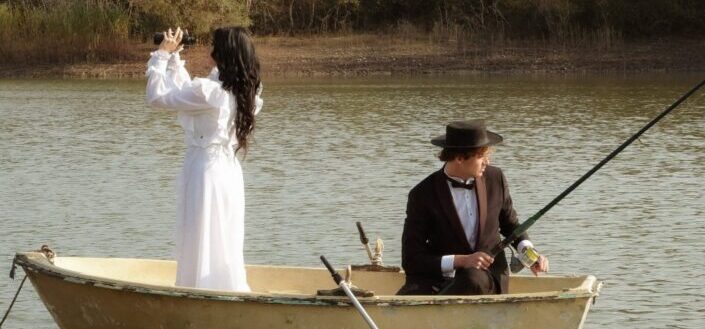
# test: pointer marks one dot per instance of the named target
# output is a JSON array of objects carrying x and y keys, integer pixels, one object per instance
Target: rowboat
[{"x": 82, "y": 292}]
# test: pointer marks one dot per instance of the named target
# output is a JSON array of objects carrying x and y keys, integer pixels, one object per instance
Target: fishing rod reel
[
  {"x": 526, "y": 258},
  {"x": 376, "y": 264}
]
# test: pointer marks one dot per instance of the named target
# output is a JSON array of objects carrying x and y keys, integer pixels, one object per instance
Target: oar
[
  {"x": 365, "y": 242},
  {"x": 344, "y": 285},
  {"x": 526, "y": 224}
]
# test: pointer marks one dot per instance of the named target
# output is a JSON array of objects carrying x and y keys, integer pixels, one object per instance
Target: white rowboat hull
[{"x": 136, "y": 293}]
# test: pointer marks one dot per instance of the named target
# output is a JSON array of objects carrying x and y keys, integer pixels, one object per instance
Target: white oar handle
[
  {"x": 357, "y": 305},
  {"x": 343, "y": 285}
]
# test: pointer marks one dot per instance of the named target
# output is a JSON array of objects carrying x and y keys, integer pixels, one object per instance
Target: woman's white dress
[{"x": 211, "y": 196}]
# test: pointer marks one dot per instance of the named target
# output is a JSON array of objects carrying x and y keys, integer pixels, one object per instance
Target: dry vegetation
[
  {"x": 363, "y": 55},
  {"x": 107, "y": 38}
]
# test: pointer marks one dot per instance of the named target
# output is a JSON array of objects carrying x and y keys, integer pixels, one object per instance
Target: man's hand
[
  {"x": 541, "y": 265},
  {"x": 478, "y": 260}
]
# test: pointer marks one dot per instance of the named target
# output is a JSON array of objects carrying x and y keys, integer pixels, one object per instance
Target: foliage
[
  {"x": 200, "y": 17},
  {"x": 62, "y": 30},
  {"x": 296, "y": 16},
  {"x": 88, "y": 30}
]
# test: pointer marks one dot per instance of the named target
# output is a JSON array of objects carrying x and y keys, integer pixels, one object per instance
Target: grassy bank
[
  {"x": 109, "y": 38},
  {"x": 369, "y": 55},
  {"x": 64, "y": 32}
]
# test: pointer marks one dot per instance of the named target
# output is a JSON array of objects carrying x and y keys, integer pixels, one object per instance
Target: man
[{"x": 455, "y": 216}]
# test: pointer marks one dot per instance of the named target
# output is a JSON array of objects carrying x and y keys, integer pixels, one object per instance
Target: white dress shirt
[{"x": 465, "y": 201}]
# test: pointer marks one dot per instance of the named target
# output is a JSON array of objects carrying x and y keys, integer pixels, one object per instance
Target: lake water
[{"x": 87, "y": 168}]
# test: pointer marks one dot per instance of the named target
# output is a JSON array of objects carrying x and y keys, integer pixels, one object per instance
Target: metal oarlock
[{"x": 344, "y": 285}]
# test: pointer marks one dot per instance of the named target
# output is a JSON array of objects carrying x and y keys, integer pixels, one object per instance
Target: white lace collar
[{"x": 214, "y": 74}]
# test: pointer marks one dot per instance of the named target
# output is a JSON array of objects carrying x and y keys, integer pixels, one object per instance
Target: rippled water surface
[{"x": 87, "y": 168}]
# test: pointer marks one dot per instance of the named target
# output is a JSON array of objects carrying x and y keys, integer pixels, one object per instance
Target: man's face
[{"x": 475, "y": 165}]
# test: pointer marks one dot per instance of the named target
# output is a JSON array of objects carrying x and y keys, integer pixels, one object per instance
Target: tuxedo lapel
[
  {"x": 481, "y": 191},
  {"x": 448, "y": 207}
]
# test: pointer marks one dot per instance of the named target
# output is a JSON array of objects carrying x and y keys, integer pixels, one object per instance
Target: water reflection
[{"x": 88, "y": 169}]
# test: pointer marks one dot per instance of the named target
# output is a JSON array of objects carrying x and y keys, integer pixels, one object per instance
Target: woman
[{"x": 217, "y": 114}]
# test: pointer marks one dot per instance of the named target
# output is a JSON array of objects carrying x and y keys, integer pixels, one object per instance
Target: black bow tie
[{"x": 455, "y": 183}]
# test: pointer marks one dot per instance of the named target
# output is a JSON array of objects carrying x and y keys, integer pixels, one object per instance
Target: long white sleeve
[
  {"x": 176, "y": 71},
  {"x": 169, "y": 85},
  {"x": 523, "y": 244},
  {"x": 447, "y": 265}
]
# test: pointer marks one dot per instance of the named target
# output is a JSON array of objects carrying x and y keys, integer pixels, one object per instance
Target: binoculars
[{"x": 186, "y": 39}]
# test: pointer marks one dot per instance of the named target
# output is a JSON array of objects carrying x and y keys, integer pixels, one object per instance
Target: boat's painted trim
[{"x": 38, "y": 263}]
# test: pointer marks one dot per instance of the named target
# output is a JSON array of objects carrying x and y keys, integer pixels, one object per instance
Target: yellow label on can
[{"x": 529, "y": 257}]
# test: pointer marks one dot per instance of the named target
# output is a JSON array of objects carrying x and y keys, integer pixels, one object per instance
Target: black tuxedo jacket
[{"x": 432, "y": 227}]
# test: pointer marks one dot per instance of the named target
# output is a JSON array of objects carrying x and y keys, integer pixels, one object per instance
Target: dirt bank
[{"x": 361, "y": 55}]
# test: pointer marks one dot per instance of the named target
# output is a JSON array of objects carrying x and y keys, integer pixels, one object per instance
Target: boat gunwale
[{"x": 38, "y": 263}]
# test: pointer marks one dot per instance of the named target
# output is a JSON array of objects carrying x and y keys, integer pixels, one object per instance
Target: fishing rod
[{"x": 526, "y": 224}]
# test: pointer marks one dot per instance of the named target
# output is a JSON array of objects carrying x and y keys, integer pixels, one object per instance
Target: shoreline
[{"x": 387, "y": 55}]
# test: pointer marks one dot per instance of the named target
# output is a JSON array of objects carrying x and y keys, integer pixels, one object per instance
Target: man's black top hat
[{"x": 466, "y": 134}]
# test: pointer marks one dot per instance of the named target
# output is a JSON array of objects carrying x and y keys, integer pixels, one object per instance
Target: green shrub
[
  {"x": 64, "y": 31},
  {"x": 200, "y": 17}
]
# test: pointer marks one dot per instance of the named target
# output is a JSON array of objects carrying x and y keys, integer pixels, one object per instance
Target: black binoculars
[{"x": 185, "y": 39}]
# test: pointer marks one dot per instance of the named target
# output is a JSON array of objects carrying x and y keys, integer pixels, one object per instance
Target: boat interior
[{"x": 287, "y": 280}]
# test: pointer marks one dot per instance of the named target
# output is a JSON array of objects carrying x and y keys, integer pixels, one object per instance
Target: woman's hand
[{"x": 171, "y": 40}]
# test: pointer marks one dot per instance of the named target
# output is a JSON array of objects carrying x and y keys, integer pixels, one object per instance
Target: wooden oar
[
  {"x": 365, "y": 242},
  {"x": 344, "y": 285},
  {"x": 526, "y": 224}
]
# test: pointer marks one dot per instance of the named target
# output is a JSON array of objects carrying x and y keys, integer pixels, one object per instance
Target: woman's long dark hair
[{"x": 234, "y": 54}]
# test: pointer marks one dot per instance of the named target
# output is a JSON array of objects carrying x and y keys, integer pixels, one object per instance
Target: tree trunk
[
  {"x": 248, "y": 8},
  {"x": 291, "y": 17},
  {"x": 313, "y": 15}
]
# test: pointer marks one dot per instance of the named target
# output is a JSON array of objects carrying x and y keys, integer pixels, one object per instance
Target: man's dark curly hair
[{"x": 450, "y": 154}]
